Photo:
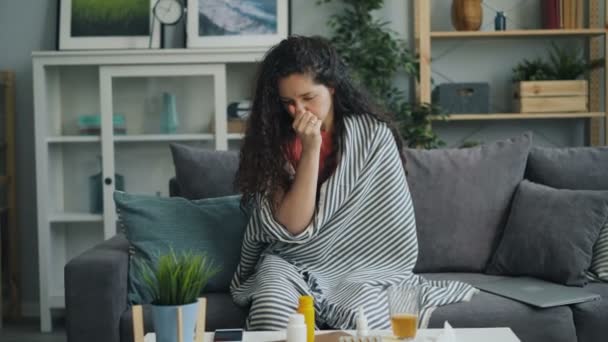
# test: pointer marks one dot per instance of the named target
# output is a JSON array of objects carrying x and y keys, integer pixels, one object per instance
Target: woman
[{"x": 332, "y": 216}]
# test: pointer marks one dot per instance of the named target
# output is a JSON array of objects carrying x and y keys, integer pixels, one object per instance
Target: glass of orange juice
[{"x": 404, "y": 308}]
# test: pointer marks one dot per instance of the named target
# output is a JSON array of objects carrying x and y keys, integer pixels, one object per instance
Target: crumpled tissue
[{"x": 447, "y": 335}]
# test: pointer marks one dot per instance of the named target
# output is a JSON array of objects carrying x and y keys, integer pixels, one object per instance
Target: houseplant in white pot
[{"x": 174, "y": 284}]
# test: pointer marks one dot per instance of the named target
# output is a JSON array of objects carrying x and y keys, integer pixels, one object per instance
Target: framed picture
[
  {"x": 107, "y": 24},
  {"x": 229, "y": 25}
]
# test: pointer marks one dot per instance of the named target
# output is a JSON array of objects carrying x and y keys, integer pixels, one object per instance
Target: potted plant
[
  {"x": 553, "y": 85},
  {"x": 376, "y": 58},
  {"x": 174, "y": 283},
  {"x": 414, "y": 123}
]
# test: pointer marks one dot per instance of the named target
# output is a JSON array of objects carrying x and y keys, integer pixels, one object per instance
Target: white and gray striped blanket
[{"x": 362, "y": 239}]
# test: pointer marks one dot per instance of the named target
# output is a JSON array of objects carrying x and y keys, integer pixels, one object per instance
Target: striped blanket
[{"x": 361, "y": 240}]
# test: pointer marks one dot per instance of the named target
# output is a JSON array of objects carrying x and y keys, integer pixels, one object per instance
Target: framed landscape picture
[
  {"x": 107, "y": 24},
  {"x": 229, "y": 25}
]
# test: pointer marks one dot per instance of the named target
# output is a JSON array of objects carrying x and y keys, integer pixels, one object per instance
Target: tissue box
[
  {"x": 236, "y": 126},
  {"x": 463, "y": 98}
]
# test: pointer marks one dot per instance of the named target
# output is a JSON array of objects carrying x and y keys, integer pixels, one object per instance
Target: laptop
[{"x": 536, "y": 292}]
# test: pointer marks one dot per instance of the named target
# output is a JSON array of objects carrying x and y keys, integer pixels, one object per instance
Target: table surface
[{"x": 462, "y": 335}]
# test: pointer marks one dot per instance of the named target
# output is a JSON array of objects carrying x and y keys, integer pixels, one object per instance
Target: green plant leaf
[
  {"x": 176, "y": 278},
  {"x": 563, "y": 64},
  {"x": 375, "y": 57}
]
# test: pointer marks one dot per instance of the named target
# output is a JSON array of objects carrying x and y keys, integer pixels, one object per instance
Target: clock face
[{"x": 168, "y": 11}]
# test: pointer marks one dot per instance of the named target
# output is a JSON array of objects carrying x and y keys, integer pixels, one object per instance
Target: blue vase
[
  {"x": 169, "y": 120},
  {"x": 96, "y": 190},
  {"x": 165, "y": 321},
  {"x": 500, "y": 21}
]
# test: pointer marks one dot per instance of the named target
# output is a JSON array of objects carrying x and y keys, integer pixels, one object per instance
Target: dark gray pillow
[
  {"x": 550, "y": 233},
  {"x": 461, "y": 200},
  {"x": 203, "y": 173},
  {"x": 576, "y": 168}
]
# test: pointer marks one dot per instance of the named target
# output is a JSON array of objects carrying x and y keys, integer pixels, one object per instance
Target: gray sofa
[{"x": 96, "y": 281}]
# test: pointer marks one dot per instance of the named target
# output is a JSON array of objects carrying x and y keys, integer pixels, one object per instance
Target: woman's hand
[{"x": 308, "y": 129}]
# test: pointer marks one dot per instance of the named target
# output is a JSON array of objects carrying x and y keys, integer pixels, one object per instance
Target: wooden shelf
[
  {"x": 163, "y": 137},
  {"x": 75, "y": 217},
  {"x": 517, "y": 33},
  {"x": 519, "y": 116}
]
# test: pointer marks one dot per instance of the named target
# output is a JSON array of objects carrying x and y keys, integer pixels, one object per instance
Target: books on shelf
[{"x": 563, "y": 14}]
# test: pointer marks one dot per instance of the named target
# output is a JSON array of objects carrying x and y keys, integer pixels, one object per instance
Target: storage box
[
  {"x": 232, "y": 126},
  {"x": 551, "y": 96},
  {"x": 463, "y": 98},
  {"x": 236, "y": 126}
]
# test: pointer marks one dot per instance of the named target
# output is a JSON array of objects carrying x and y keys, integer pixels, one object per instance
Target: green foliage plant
[
  {"x": 375, "y": 57},
  {"x": 470, "y": 143},
  {"x": 563, "y": 64},
  {"x": 177, "y": 278},
  {"x": 532, "y": 70}
]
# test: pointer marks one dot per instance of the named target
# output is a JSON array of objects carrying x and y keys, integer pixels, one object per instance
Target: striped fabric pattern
[
  {"x": 599, "y": 263},
  {"x": 362, "y": 239}
]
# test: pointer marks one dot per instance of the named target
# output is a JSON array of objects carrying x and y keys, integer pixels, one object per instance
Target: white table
[{"x": 424, "y": 335}]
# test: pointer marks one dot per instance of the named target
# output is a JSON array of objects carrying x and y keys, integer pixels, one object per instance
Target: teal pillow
[{"x": 153, "y": 225}]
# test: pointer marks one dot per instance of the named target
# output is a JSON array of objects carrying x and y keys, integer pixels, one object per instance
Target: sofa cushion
[
  {"x": 461, "y": 200},
  {"x": 591, "y": 318},
  {"x": 153, "y": 225},
  {"x": 550, "y": 233},
  {"x": 222, "y": 313},
  {"x": 576, "y": 168},
  {"x": 488, "y": 310},
  {"x": 203, "y": 173}
]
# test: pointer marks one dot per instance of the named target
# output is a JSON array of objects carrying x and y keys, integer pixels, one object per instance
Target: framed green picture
[{"x": 107, "y": 24}]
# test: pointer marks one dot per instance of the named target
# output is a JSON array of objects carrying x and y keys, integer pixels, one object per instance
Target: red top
[{"x": 294, "y": 149}]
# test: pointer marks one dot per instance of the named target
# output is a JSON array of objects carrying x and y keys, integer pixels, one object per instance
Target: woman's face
[{"x": 299, "y": 93}]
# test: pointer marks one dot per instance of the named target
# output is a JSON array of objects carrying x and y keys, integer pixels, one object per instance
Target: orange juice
[{"x": 404, "y": 325}]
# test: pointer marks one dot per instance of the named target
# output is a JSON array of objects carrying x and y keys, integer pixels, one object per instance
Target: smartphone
[{"x": 228, "y": 335}]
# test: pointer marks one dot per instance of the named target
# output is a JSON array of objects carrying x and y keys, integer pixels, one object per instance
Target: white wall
[{"x": 29, "y": 25}]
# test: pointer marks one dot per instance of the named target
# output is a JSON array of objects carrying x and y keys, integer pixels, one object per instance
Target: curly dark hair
[{"x": 264, "y": 150}]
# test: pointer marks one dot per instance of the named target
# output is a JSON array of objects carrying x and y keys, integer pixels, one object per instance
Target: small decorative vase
[
  {"x": 500, "y": 21},
  {"x": 96, "y": 190},
  {"x": 169, "y": 119},
  {"x": 165, "y": 321},
  {"x": 467, "y": 15}
]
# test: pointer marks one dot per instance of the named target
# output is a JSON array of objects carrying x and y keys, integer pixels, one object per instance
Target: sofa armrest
[{"x": 96, "y": 291}]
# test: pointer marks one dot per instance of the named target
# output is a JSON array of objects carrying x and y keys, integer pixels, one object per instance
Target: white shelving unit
[{"x": 130, "y": 82}]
